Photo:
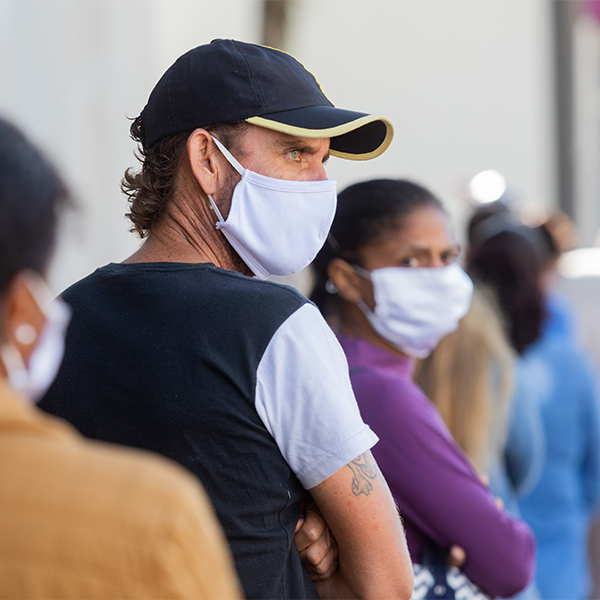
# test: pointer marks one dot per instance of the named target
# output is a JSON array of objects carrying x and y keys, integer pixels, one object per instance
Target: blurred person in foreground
[
  {"x": 390, "y": 287},
  {"x": 184, "y": 348},
  {"x": 79, "y": 519},
  {"x": 517, "y": 262}
]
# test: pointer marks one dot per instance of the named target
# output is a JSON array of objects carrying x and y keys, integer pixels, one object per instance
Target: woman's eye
[
  {"x": 449, "y": 258},
  {"x": 409, "y": 261},
  {"x": 295, "y": 154}
]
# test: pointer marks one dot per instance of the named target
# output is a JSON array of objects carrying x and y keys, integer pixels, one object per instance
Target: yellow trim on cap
[
  {"x": 389, "y": 135},
  {"x": 332, "y": 132}
]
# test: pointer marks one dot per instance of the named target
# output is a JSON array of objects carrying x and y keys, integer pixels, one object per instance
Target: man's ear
[
  {"x": 350, "y": 286},
  {"x": 208, "y": 165},
  {"x": 23, "y": 318}
]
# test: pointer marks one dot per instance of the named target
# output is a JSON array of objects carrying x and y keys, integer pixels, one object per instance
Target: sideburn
[{"x": 223, "y": 201}]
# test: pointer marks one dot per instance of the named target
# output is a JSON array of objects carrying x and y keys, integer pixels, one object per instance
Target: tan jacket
[{"x": 82, "y": 519}]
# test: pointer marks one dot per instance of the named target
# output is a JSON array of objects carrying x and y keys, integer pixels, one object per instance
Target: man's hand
[
  {"x": 316, "y": 544},
  {"x": 456, "y": 556}
]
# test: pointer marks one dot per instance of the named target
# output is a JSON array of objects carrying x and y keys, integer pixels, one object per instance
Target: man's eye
[{"x": 295, "y": 154}]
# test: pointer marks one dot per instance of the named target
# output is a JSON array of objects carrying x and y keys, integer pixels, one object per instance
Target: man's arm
[
  {"x": 305, "y": 399},
  {"x": 373, "y": 557}
]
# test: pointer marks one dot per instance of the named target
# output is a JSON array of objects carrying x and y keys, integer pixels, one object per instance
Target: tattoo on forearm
[{"x": 363, "y": 468}]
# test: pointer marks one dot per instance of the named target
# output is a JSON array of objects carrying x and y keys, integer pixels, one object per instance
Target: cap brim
[{"x": 354, "y": 135}]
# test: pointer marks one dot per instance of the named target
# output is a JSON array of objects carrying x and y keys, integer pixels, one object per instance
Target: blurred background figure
[
  {"x": 388, "y": 283},
  {"x": 519, "y": 264},
  {"x": 472, "y": 377},
  {"x": 79, "y": 519},
  {"x": 469, "y": 377},
  {"x": 579, "y": 283}
]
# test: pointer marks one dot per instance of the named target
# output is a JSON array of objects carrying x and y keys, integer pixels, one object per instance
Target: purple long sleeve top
[{"x": 438, "y": 492}]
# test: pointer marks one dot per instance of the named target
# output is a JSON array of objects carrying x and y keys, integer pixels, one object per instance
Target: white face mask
[
  {"x": 33, "y": 381},
  {"x": 416, "y": 307},
  {"x": 275, "y": 225}
]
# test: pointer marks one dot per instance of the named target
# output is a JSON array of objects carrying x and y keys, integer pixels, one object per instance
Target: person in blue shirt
[{"x": 513, "y": 260}]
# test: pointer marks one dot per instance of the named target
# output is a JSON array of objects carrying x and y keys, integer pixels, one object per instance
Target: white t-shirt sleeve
[{"x": 305, "y": 399}]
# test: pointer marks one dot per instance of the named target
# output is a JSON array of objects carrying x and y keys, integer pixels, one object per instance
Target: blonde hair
[{"x": 469, "y": 377}]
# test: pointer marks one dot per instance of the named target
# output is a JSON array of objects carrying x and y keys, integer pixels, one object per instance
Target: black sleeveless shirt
[{"x": 163, "y": 356}]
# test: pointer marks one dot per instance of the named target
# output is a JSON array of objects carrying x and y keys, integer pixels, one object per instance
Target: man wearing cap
[{"x": 186, "y": 350}]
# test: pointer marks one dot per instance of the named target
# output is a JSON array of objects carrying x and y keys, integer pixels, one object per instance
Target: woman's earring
[{"x": 330, "y": 287}]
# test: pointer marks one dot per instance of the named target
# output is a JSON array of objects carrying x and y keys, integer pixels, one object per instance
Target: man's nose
[{"x": 318, "y": 172}]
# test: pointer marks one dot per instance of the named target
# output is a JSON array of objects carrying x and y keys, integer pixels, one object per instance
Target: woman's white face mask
[
  {"x": 416, "y": 307},
  {"x": 33, "y": 380},
  {"x": 277, "y": 226}
]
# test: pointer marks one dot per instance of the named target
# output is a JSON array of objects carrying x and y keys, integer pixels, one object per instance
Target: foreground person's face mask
[
  {"x": 33, "y": 381},
  {"x": 416, "y": 307},
  {"x": 277, "y": 226}
]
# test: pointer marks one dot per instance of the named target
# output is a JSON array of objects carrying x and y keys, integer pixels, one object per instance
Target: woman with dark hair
[
  {"x": 388, "y": 282},
  {"x": 509, "y": 262},
  {"x": 514, "y": 261}
]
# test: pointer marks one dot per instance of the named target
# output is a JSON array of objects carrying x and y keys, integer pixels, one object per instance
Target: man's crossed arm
[{"x": 360, "y": 551}]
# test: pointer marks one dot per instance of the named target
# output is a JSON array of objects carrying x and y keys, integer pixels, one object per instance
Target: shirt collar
[{"x": 361, "y": 353}]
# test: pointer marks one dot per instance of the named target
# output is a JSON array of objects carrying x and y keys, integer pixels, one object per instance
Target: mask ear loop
[
  {"x": 331, "y": 288},
  {"x": 362, "y": 272},
  {"x": 366, "y": 310},
  {"x": 361, "y": 303},
  {"x": 41, "y": 293},
  {"x": 14, "y": 366},
  {"x": 230, "y": 158},
  {"x": 216, "y": 210},
  {"x": 237, "y": 166}
]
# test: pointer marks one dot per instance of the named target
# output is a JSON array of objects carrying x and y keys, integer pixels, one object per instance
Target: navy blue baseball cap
[{"x": 227, "y": 81}]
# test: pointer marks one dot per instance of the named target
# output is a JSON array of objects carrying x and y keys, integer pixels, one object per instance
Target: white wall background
[
  {"x": 72, "y": 71},
  {"x": 587, "y": 127},
  {"x": 467, "y": 84}
]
